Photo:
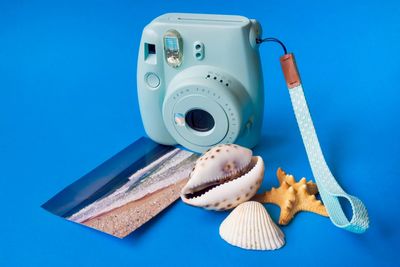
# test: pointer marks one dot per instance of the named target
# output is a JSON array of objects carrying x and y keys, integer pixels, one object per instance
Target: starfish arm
[
  {"x": 272, "y": 196},
  {"x": 314, "y": 206},
  {"x": 281, "y": 175},
  {"x": 286, "y": 216},
  {"x": 310, "y": 203}
]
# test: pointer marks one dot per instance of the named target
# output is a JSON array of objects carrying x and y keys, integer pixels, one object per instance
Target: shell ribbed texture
[{"x": 249, "y": 226}]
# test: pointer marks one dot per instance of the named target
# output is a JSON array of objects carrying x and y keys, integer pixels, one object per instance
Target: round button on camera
[{"x": 152, "y": 80}]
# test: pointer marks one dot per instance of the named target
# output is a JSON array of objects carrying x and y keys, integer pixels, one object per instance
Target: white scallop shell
[
  {"x": 217, "y": 164},
  {"x": 249, "y": 226}
]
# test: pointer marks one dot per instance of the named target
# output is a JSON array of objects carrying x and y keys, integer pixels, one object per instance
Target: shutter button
[{"x": 152, "y": 80}]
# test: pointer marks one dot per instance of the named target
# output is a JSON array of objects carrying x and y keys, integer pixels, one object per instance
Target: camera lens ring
[
  {"x": 228, "y": 107},
  {"x": 176, "y": 108},
  {"x": 199, "y": 120}
]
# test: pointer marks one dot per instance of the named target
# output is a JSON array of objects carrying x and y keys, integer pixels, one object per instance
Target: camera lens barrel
[
  {"x": 199, "y": 120},
  {"x": 201, "y": 111}
]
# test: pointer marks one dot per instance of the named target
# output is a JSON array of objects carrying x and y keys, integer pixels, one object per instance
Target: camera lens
[{"x": 199, "y": 120}]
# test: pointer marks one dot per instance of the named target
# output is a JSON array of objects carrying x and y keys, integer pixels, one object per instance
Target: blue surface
[{"x": 68, "y": 102}]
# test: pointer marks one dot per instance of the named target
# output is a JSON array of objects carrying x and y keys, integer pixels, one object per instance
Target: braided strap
[{"x": 328, "y": 187}]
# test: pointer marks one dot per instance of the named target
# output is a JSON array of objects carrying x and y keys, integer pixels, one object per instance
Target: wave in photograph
[{"x": 167, "y": 170}]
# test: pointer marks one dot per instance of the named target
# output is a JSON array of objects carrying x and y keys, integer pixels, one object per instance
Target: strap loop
[{"x": 328, "y": 187}]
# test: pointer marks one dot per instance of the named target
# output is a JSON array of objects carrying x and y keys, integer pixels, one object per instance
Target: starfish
[{"x": 292, "y": 197}]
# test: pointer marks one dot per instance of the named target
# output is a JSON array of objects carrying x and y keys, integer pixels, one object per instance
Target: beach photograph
[{"x": 117, "y": 200}]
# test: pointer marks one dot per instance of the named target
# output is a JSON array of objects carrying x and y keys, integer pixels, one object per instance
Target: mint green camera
[{"x": 200, "y": 81}]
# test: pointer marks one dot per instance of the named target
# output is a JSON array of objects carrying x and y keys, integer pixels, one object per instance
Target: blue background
[{"x": 68, "y": 102}]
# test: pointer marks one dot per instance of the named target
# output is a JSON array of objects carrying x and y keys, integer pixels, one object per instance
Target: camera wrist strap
[{"x": 329, "y": 189}]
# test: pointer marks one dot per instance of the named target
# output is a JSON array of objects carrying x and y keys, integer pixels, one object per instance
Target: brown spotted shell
[{"x": 218, "y": 164}]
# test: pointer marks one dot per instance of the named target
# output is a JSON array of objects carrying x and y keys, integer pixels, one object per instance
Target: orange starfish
[{"x": 292, "y": 197}]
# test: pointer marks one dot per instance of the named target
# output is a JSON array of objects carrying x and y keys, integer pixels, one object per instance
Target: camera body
[{"x": 200, "y": 80}]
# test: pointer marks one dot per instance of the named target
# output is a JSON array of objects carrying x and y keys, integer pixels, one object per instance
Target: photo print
[{"x": 127, "y": 190}]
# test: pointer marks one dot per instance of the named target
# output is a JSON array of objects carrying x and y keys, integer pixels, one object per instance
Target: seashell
[
  {"x": 249, "y": 226},
  {"x": 224, "y": 177}
]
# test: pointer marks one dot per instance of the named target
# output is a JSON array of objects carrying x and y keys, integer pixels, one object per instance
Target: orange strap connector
[{"x": 290, "y": 71}]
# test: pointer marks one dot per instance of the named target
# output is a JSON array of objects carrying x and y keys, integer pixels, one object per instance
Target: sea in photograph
[
  {"x": 105, "y": 178},
  {"x": 146, "y": 192}
]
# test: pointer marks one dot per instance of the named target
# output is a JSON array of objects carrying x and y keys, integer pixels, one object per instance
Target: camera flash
[{"x": 173, "y": 48}]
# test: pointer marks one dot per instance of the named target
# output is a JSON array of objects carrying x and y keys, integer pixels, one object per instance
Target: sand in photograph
[
  {"x": 128, "y": 190},
  {"x": 166, "y": 170},
  {"x": 123, "y": 220}
]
